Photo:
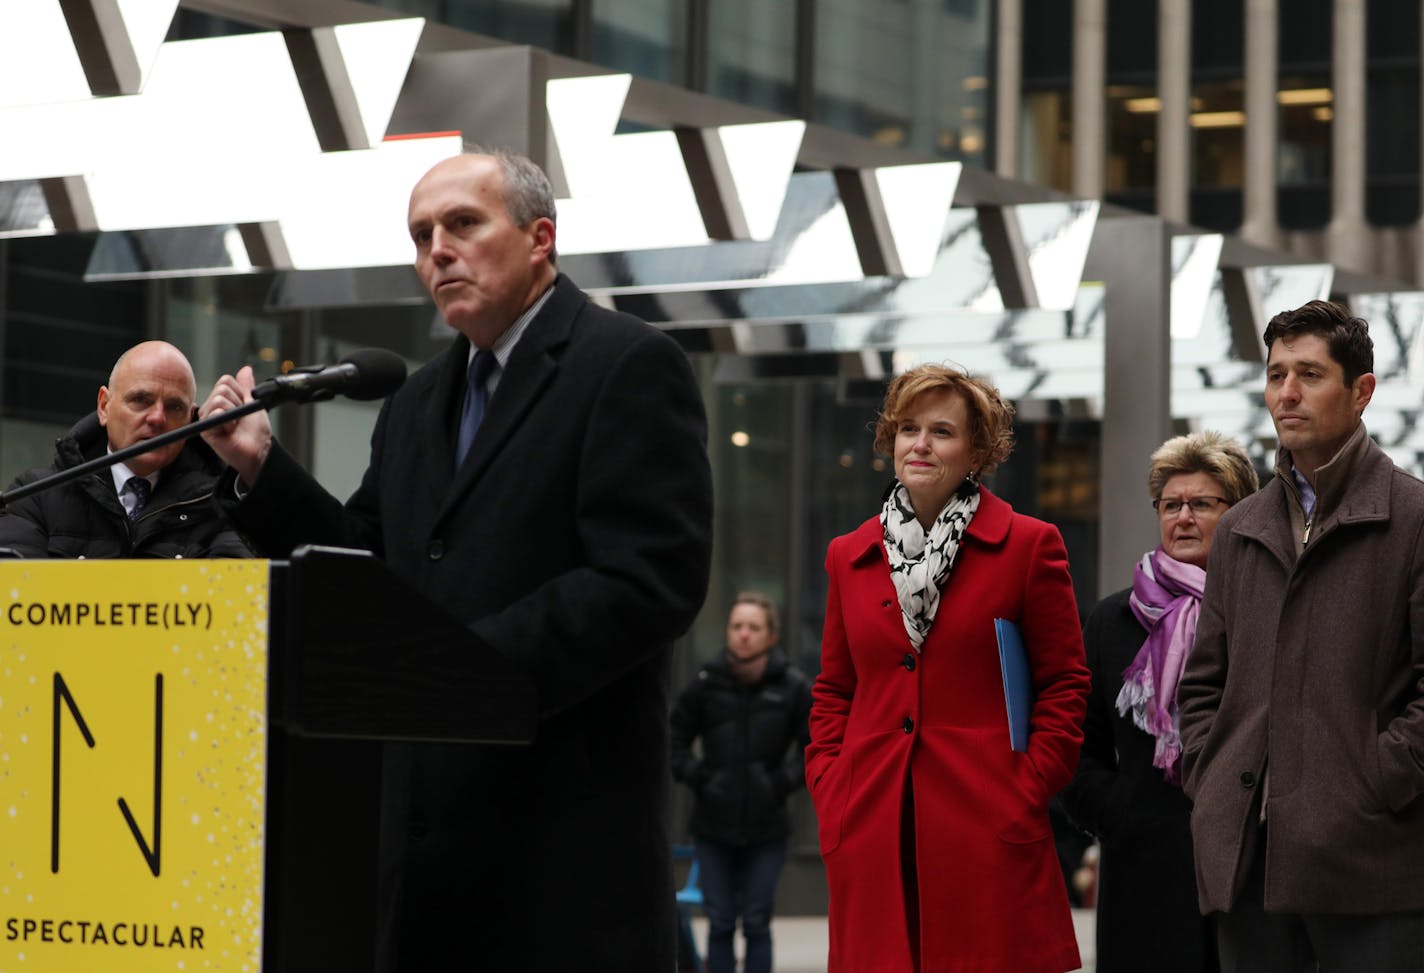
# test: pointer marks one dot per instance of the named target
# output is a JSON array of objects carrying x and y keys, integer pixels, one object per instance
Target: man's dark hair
[{"x": 1347, "y": 336}]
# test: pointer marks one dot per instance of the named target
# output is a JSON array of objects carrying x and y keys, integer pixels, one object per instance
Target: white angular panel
[
  {"x": 147, "y": 23},
  {"x": 916, "y": 200},
  {"x": 203, "y": 149},
  {"x": 637, "y": 197},
  {"x": 38, "y": 63},
  {"x": 348, "y": 209},
  {"x": 583, "y": 113},
  {"x": 1194, "y": 262},
  {"x": 377, "y": 57},
  {"x": 761, "y": 158},
  {"x": 1057, "y": 236}
]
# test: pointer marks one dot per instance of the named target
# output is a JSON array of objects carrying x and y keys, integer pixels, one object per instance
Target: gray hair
[
  {"x": 528, "y": 194},
  {"x": 1209, "y": 452}
]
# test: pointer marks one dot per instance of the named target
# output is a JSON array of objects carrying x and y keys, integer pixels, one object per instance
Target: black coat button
[
  {"x": 909, "y": 661},
  {"x": 436, "y": 550},
  {"x": 908, "y": 726},
  {"x": 1248, "y": 779}
]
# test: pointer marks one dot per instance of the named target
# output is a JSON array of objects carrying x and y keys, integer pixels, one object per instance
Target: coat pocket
[
  {"x": 1027, "y": 818},
  {"x": 829, "y": 801}
]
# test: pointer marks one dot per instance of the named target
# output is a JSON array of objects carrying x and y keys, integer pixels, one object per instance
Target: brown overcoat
[{"x": 1310, "y": 669}]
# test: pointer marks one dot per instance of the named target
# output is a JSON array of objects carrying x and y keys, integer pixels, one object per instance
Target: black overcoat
[
  {"x": 1147, "y": 892},
  {"x": 575, "y": 539},
  {"x": 84, "y": 517},
  {"x": 754, "y": 739}
]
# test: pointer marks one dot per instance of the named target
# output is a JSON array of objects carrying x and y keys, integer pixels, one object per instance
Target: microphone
[{"x": 370, "y": 373}]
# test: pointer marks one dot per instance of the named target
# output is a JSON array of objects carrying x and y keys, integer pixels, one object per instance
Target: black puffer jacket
[
  {"x": 754, "y": 739},
  {"x": 84, "y": 518}
]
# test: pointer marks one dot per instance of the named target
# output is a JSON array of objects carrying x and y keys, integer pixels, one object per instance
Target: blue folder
[{"x": 1018, "y": 686}]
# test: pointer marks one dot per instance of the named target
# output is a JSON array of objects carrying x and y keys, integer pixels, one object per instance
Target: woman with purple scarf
[{"x": 1127, "y": 790}]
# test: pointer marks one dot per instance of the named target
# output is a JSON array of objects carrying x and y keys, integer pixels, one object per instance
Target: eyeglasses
[{"x": 1197, "y": 505}]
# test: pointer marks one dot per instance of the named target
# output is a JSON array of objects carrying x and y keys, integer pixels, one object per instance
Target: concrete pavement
[{"x": 800, "y": 941}]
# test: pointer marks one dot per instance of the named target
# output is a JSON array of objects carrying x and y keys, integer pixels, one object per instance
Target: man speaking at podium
[
  {"x": 546, "y": 481},
  {"x": 156, "y": 505}
]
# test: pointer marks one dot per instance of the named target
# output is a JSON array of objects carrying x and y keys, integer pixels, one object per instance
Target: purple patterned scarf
[{"x": 1166, "y": 598}]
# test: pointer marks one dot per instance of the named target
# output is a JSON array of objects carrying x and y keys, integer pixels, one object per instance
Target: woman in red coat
[{"x": 934, "y": 831}]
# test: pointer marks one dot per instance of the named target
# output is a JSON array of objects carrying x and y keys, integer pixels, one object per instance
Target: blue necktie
[
  {"x": 473, "y": 413},
  {"x": 141, "y": 489}
]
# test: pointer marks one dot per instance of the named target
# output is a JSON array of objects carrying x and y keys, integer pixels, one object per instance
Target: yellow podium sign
[{"x": 133, "y": 741}]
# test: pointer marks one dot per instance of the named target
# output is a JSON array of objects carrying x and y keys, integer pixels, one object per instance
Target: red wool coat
[{"x": 991, "y": 894}]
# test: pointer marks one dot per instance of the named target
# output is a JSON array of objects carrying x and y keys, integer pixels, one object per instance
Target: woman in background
[
  {"x": 1127, "y": 790},
  {"x": 749, "y": 707}
]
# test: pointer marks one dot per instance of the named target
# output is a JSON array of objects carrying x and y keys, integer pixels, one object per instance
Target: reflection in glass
[
  {"x": 1132, "y": 138},
  {"x": 751, "y": 52},
  {"x": 1217, "y": 119},
  {"x": 1305, "y": 112},
  {"x": 1218, "y": 122},
  {"x": 1392, "y": 113},
  {"x": 643, "y": 37},
  {"x": 910, "y": 73},
  {"x": 542, "y": 23},
  {"x": 1046, "y": 140}
]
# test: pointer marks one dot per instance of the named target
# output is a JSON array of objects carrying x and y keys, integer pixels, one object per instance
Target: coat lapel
[
  {"x": 1266, "y": 523},
  {"x": 442, "y": 408}
]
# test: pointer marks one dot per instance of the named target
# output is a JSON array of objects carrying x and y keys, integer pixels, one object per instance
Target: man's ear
[
  {"x": 1364, "y": 390},
  {"x": 542, "y": 230},
  {"x": 103, "y": 407}
]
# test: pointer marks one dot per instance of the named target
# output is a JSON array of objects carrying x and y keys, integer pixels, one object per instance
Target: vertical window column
[
  {"x": 1174, "y": 87},
  {"x": 1008, "y": 88},
  {"x": 1261, "y": 136},
  {"x": 1346, "y": 236},
  {"x": 1089, "y": 79}
]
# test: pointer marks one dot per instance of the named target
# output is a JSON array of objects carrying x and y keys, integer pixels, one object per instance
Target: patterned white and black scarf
[{"x": 920, "y": 563}]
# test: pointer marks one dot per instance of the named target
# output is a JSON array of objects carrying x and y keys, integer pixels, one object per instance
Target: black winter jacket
[
  {"x": 84, "y": 518},
  {"x": 754, "y": 739}
]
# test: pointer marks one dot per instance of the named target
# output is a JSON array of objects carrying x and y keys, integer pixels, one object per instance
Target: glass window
[
  {"x": 1046, "y": 139},
  {"x": 1217, "y": 113},
  {"x": 750, "y": 443},
  {"x": 1132, "y": 143},
  {"x": 540, "y": 23},
  {"x": 910, "y": 73},
  {"x": 1305, "y": 109},
  {"x": 644, "y": 37},
  {"x": 1218, "y": 38},
  {"x": 1307, "y": 36},
  {"x": 60, "y": 339},
  {"x": 61, "y": 335},
  {"x": 1392, "y": 114},
  {"x": 1047, "y": 44},
  {"x": 751, "y": 52},
  {"x": 1130, "y": 175},
  {"x": 1218, "y": 154},
  {"x": 1132, "y": 42},
  {"x": 190, "y": 25}
]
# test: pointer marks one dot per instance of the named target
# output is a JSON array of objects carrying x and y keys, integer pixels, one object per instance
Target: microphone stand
[{"x": 137, "y": 449}]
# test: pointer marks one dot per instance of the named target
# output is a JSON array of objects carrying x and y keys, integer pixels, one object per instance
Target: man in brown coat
[{"x": 1302, "y": 704}]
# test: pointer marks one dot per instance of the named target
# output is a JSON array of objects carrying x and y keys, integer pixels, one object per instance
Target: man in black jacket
[
  {"x": 159, "y": 504},
  {"x": 545, "y": 480},
  {"x": 751, "y": 709}
]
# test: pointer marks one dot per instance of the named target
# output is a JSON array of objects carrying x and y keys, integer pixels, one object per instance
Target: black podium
[{"x": 358, "y": 659}]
